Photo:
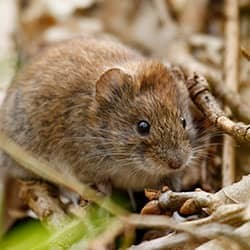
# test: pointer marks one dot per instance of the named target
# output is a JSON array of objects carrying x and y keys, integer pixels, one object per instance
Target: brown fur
[{"x": 77, "y": 105}]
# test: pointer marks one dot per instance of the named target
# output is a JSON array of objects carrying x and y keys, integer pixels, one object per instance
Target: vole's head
[{"x": 144, "y": 123}]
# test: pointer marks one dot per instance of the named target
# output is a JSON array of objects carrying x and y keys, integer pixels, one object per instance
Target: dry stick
[
  {"x": 234, "y": 210},
  {"x": 210, "y": 231},
  {"x": 201, "y": 96},
  {"x": 231, "y": 69},
  {"x": 237, "y": 193},
  {"x": 242, "y": 232},
  {"x": 233, "y": 100},
  {"x": 228, "y": 160},
  {"x": 164, "y": 242},
  {"x": 45, "y": 206},
  {"x": 180, "y": 55},
  {"x": 231, "y": 97},
  {"x": 227, "y": 95},
  {"x": 158, "y": 221}
]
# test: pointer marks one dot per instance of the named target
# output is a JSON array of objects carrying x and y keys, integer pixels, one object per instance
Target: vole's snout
[
  {"x": 177, "y": 159},
  {"x": 175, "y": 163},
  {"x": 173, "y": 159}
]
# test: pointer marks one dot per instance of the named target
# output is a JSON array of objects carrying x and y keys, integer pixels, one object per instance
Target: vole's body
[{"x": 78, "y": 105}]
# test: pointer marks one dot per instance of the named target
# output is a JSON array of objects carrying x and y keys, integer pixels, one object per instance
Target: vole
[{"x": 101, "y": 112}]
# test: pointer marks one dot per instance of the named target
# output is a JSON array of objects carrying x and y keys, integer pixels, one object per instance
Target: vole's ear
[
  {"x": 182, "y": 90},
  {"x": 113, "y": 83},
  {"x": 181, "y": 79}
]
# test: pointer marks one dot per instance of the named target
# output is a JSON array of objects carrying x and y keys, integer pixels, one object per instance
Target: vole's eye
[
  {"x": 143, "y": 127},
  {"x": 183, "y": 122}
]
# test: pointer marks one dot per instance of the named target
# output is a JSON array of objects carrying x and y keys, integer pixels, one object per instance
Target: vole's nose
[{"x": 175, "y": 163}]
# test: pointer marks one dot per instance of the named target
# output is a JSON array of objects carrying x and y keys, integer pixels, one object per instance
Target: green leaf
[{"x": 32, "y": 235}]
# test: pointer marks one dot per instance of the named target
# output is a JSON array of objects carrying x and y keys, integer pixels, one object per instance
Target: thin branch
[
  {"x": 231, "y": 61},
  {"x": 48, "y": 209},
  {"x": 201, "y": 96},
  {"x": 237, "y": 193},
  {"x": 164, "y": 242},
  {"x": 240, "y": 236},
  {"x": 179, "y": 54},
  {"x": 233, "y": 100},
  {"x": 231, "y": 75},
  {"x": 228, "y": 160},
  {"x": 202, "y": 233}
]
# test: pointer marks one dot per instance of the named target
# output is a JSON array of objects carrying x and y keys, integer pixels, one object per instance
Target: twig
[
  {"x": 48, "y": 209},
  {"x": 231, "y": 214},
  {"x": 233, "y": 100},
  {"x": 242, "y": 233},
  {"x": 156, "y": 221},
  {"x": 228, "y": 160},
  {"x": 231, "y": 69},
  {"x": 202, "y": 233},
  {"x": 198, "y": 90},
  {"x": 229, "y": 205},
  {"x": 237, "y": 193},
  {"x": 163, "y": 242},
  {"x": 179, "y": 54},
  {"x": 231, "y": 97},
  {"x": 237, "y": 212},
  {"x": 152, "y": 221}
]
